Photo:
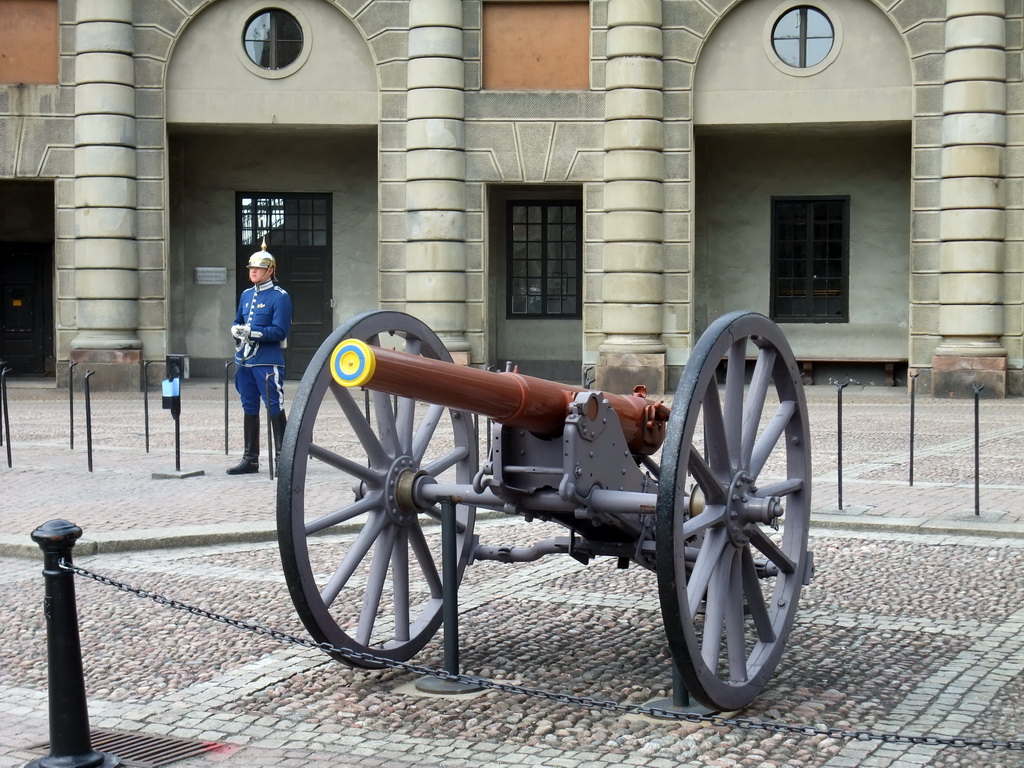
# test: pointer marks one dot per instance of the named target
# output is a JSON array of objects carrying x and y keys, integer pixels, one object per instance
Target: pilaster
[
  {"x": 435, "y": 194},
  {"x": 634, "y": 171},
  {"x": 106, "y": 254},
  {"x": 972, "y": 218}
]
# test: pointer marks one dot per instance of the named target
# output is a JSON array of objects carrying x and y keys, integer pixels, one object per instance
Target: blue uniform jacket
[{"x": 266, "y": 308}]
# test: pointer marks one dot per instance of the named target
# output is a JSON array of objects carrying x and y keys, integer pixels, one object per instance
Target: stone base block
[
  {"x": 955, "y": 377},
  {"x": 1015, "y": 383},
  {"x": 619, "y": 372},
  {"x": 179, "y": 474},
  {"x": 460, "y": 358},
  {"x": 116, "y": 370}
]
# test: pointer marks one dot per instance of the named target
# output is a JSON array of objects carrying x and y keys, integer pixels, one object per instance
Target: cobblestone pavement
[{"x": 913, "y": 622}]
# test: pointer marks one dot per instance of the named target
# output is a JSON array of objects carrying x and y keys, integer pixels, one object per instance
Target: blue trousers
[{"x": 252, "y": 385}]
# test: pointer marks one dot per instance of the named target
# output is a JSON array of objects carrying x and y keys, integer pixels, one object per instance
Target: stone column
[
  {"x": 633, "y": 282},
  {"x": 972, "y": 224},
  {"x": 435, "y": 283},
  {"x": 106, "y": 254}
]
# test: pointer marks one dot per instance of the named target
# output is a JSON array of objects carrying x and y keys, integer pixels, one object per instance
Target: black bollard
[
  {"x": 913, "y": 397},
  {"x": 88, "y": 418},
  {"x": 977, "y": 451},
  {"x": 71, "y": 402},
  {"x": 839, "y": 432},
  {"x": 227, "y": 365},
  {"x": 70, "y": 743},
  {"x": 6, "y": 413}
]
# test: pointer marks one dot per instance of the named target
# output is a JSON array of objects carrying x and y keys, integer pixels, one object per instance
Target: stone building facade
[{"x": 579, "y": 187}]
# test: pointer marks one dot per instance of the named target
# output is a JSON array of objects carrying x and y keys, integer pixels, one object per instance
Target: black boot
[
  {"x": 250, "y": 462},
  {"x": 277, "y": 425}
]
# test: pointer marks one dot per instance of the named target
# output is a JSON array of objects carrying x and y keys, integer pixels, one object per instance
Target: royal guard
[{"x": 261, "y": 328}]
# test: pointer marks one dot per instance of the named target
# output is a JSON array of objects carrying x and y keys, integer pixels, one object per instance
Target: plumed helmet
[{"x": 263, "y": 258}]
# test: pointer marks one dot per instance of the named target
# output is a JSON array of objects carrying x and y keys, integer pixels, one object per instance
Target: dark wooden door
[
  {"x": 297, "y": 228},
  {"x": 26, "y": 308}
]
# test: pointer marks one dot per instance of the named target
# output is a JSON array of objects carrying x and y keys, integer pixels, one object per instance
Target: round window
[
  {"x": 802, "y": 37},
  {"x": 273, "y": 39}
]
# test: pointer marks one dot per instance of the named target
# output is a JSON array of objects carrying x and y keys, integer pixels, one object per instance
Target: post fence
[
  {"x": 88, "y": 417},
  {"x": 6, "y": 414},
  {"x": 3, "y": 383},
  {"x": 913, "y": 399},
  {"x": 227, "y": 365},
  {"x": 839, "y": 433},
  {"x": 71, "y": 402},
  {"x": 145, "y": 396},
  {"x": 977, "y": 448}
]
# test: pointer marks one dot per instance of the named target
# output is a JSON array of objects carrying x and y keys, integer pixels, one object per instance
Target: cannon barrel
[{"x": 511, "y": 399}]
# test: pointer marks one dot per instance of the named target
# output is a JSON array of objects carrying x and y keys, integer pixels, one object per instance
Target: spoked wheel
[
  {"x": 347, "y": 466},
  {"x": 734, "y": 466}
]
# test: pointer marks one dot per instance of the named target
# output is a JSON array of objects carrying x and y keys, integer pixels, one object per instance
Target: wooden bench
[{"x": 890, "y": 363}]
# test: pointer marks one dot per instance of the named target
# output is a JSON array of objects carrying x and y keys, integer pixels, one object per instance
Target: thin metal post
[
  {"x": 227, "y": 365},
  {"x": 839, "y": 429},
  {"x": 3, "y": 416},
  {"x": 270, "y": 425},
  {"x": 6, "y": 413},
  {"x": 70, "y": 743},
  {"x": 145, "y": 396},
  {"x": 88, "y": 417},
  {"x": 680, "y": 700},
  {"x": 177, "y": 438},
  {"x": 449, "y": 587},
  {"x": 449, "y": 607},
  {"x": 680, "y": 693},
  {"x": 71, "y": 401},
  {"x": 913, "y": 398},
  {"x": 977, "y": 442}
]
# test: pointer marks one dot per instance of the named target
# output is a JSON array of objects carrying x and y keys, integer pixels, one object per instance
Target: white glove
[
  {"x": 240, "y": 332},
  {"x": 253, "y": 334}
]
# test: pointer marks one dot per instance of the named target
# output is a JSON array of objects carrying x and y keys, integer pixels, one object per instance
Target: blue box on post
[{"x": 171, "y": 386}]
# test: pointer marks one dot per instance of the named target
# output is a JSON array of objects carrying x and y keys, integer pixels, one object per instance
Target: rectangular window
[
  {"x": 535, "y": 46},
  {"x": 286, "y": 220},
  {"x": 810, "y": 259},
  {"x": 545, "y": 258}
]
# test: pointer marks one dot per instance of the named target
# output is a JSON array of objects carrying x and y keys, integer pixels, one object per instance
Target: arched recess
[
  {"x": 774, "y": 143},
  {"x": 238, "y": 132}
]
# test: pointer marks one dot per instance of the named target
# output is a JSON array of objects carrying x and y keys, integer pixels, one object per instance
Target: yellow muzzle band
[{"x": 353, "y": 363}]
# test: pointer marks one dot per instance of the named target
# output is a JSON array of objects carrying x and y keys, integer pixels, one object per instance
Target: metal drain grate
[{"x": 138, "y": 750}]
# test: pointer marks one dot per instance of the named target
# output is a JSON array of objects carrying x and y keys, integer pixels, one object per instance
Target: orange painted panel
[
  {"x": 28, "y": 41},
  {"x": 536, "y": 46}
]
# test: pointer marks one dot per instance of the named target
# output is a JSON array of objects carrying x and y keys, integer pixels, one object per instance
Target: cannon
[{"x": 712, "y": 495}]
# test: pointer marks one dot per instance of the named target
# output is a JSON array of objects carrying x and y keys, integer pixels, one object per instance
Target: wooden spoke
[{"x": 351, "y": 512}]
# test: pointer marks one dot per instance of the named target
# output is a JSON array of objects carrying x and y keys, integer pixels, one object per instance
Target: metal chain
[{"x": 741, "y": 723}]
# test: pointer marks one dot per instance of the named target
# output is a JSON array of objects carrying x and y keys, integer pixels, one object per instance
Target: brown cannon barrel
[{"x": 512, "y": 399}]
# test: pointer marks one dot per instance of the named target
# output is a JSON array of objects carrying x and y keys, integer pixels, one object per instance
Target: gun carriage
[{"x": 712, "y": 495}]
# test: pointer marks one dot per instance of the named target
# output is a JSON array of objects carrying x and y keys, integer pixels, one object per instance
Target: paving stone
[{"x": 912, "y": 623}]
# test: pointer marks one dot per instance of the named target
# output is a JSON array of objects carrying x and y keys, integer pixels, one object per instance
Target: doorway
[
  {"x": 26, "y": 308},
  {"x": 297, "y": 228}
]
